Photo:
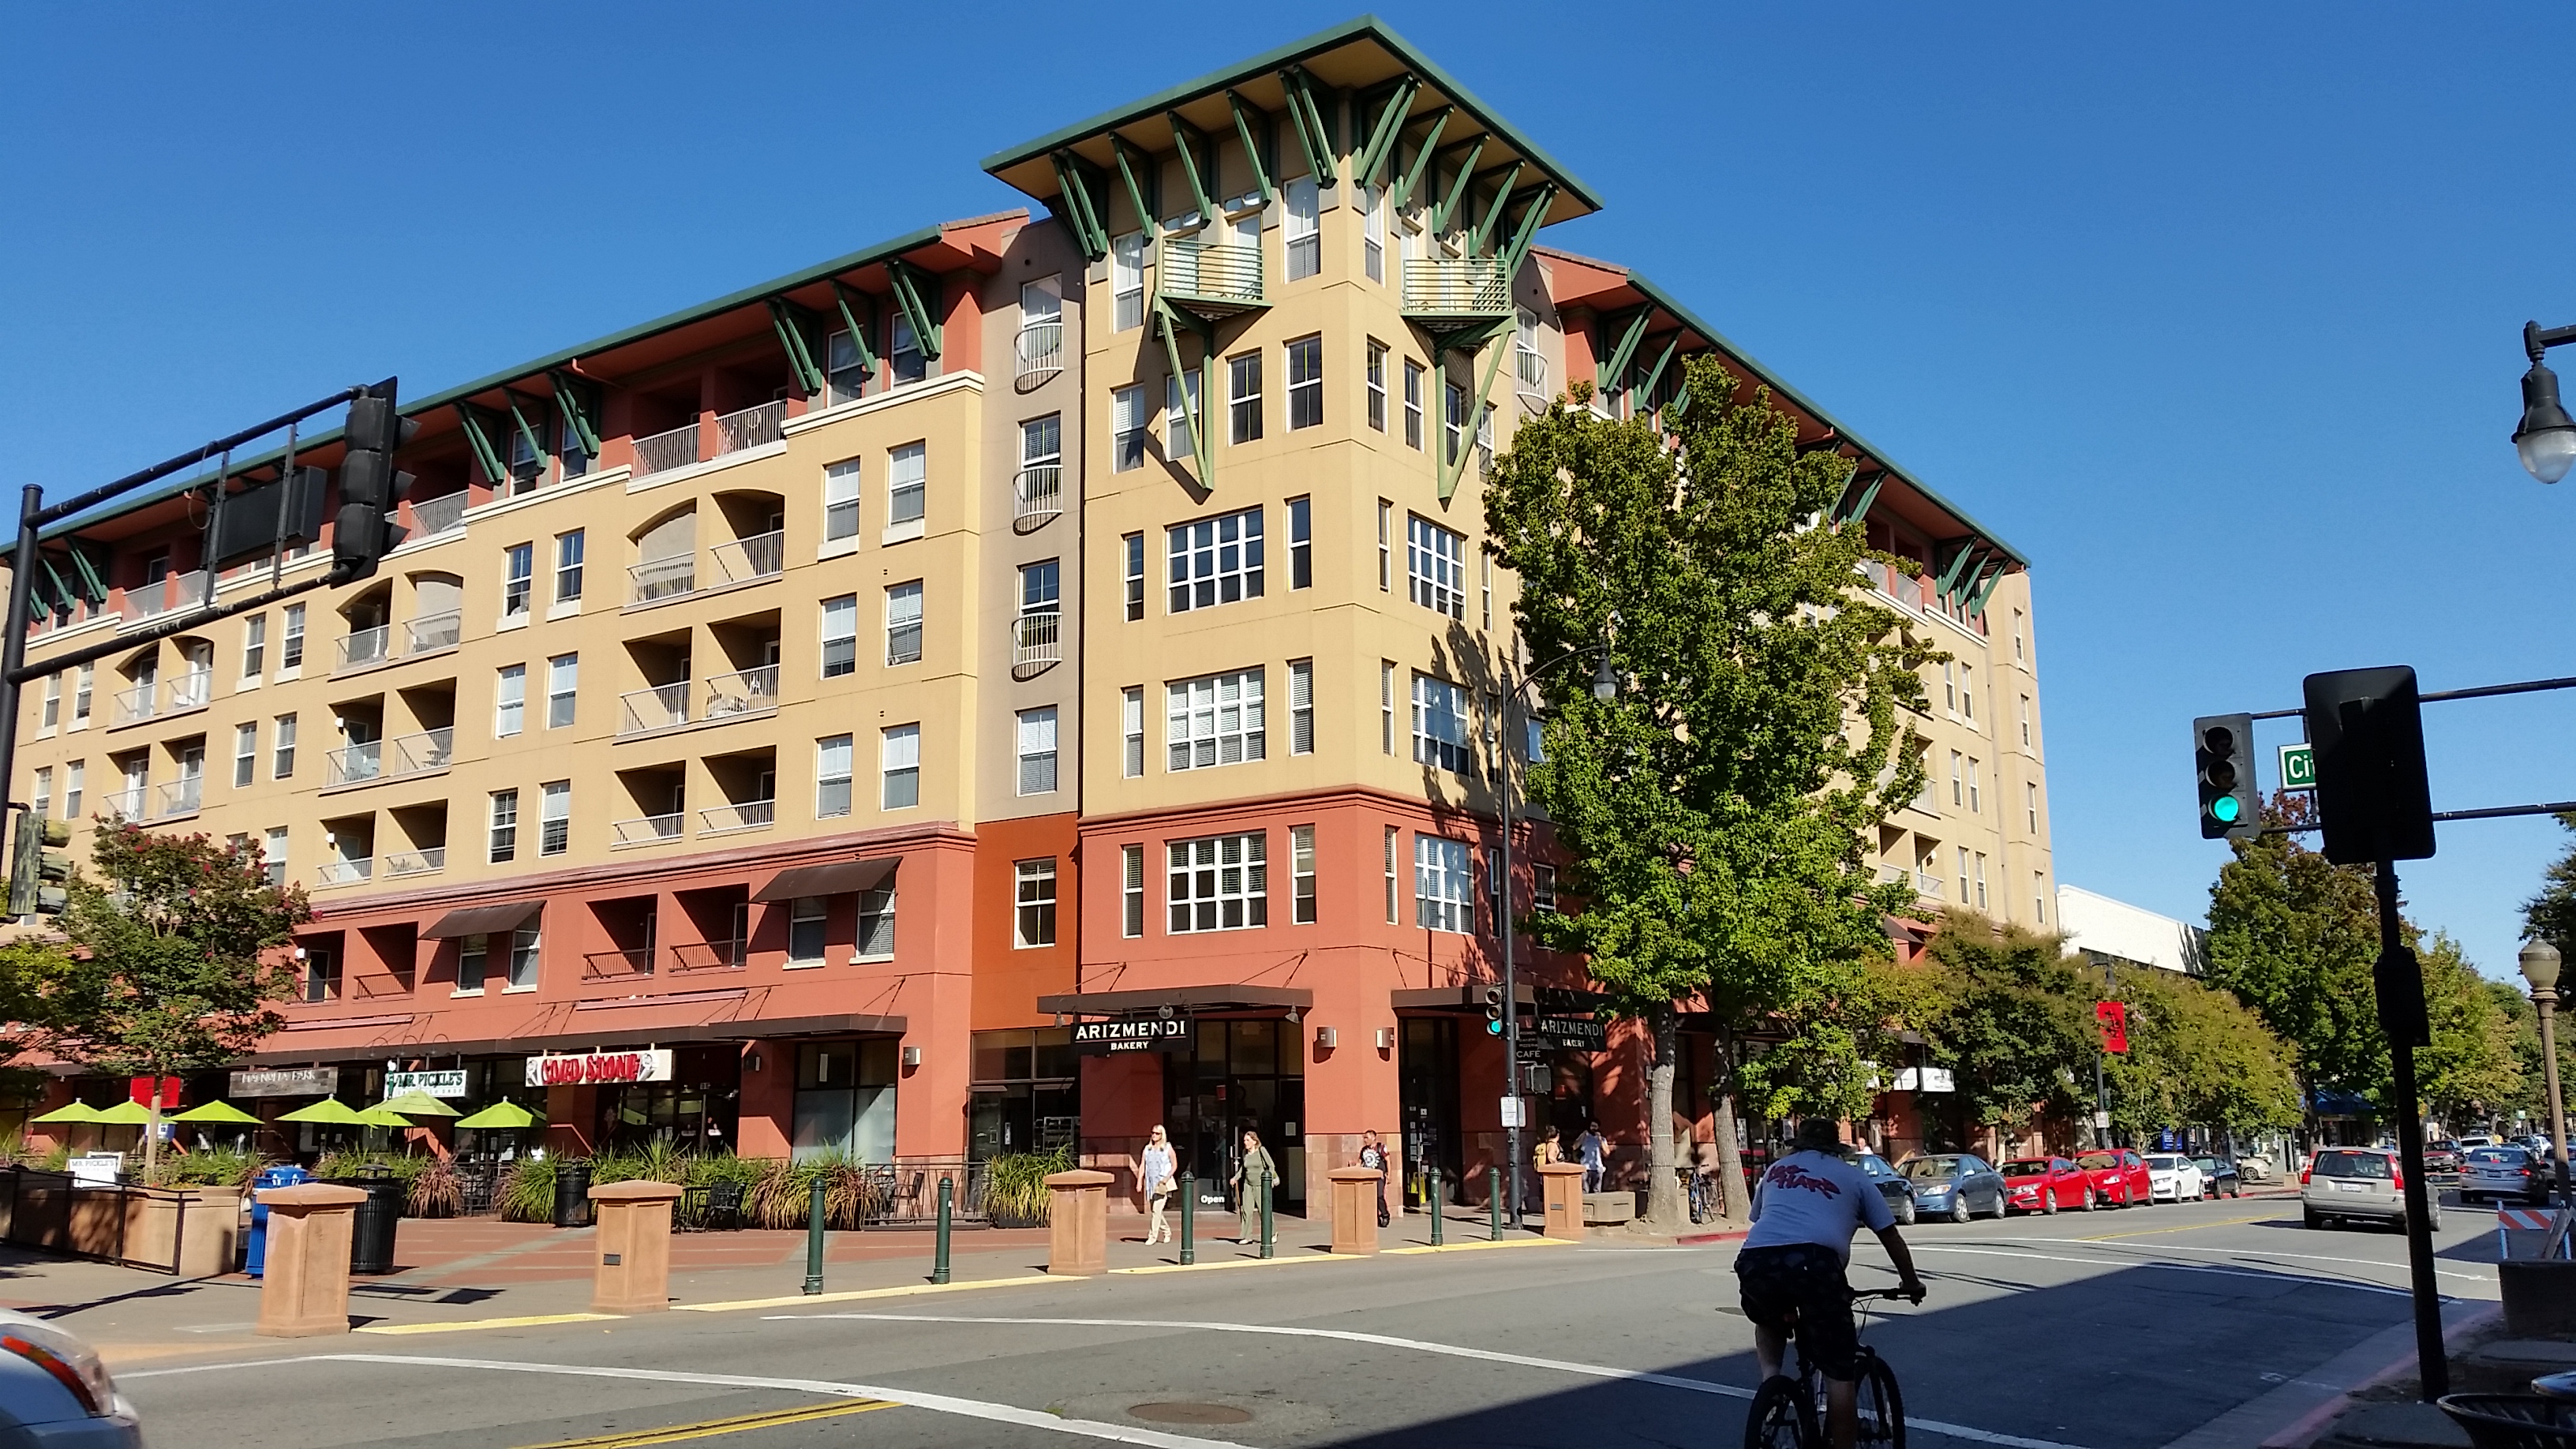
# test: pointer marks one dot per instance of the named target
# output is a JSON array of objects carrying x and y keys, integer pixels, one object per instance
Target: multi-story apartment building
[{"x": 882, "y": 687}]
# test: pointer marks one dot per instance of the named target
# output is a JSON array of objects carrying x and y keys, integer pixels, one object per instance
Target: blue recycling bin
[{"x": 283, "y": 1175}]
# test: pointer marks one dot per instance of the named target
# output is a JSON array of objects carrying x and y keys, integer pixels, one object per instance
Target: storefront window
[
  {"x": 1027, "y": 1092},
  {"x": 694, "y": 1113},
  {"x": 845, "y": 1099},
  {"x": 1239, "y": 1074}
]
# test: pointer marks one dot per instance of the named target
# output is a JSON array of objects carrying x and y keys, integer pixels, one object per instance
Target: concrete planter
[{"x": 2539, "y": 1297}]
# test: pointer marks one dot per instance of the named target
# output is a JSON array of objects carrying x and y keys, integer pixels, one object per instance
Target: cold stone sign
[
  {"x": 574, "y": 1071},
  {"x": 1131, "y": 1034}
]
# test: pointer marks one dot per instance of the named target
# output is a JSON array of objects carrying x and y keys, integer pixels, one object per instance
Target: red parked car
[
  {"x": 2043, "y": 1185},
  {"x": 2115, "y": 1176}
]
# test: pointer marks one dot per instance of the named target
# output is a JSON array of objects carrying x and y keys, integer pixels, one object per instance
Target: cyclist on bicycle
[{"x": 1805, "y": 1213}]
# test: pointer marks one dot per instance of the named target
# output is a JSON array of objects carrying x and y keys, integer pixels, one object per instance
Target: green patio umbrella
[
  {"x": 330, "y": 1111},
  {"x": 500, "y": 1115},
  {"x": 418, "y": 1104},
  {"x": 124, "y": 1114},
  {"x": 382, "y": 1116},
  {"x": 69, "y": 1112},
  {"x": 217, "y": 1111}
]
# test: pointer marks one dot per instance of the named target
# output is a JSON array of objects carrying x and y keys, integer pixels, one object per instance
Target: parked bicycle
[{"x": 1789, "y": 1411}]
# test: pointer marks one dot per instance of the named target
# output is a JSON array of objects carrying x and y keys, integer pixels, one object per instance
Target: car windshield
[
  {"x": 2207, "y": 1164},
  {"x": 2098, "y": 1160},
  {"x": 2353, "y": 1164},
  {"x": 2163, "y": 1163},
  {"x": 2499, "y": 1156},
  {"x": 1932, "y": 1169},
  {"x": 1873, "y": 1165},
  {"x": 2026, "y": 1167}
]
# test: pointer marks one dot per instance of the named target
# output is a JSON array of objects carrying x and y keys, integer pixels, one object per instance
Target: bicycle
[{"x": 1788, "y": 1412}]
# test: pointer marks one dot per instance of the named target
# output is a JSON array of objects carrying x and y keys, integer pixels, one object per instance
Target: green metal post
[
  {"x": 1189, "y": 1220},
  {"x": 1438, "y": 1200},
  {"x": 939, "y": 1249},
  {"x": 814, "y": 1238},
  {"x": 1494, "y": 1199},
  {"x": 1268, "y": 1237}
]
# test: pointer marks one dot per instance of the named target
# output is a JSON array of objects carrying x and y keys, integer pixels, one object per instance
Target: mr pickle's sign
[{"x": 589, "y": 1067}]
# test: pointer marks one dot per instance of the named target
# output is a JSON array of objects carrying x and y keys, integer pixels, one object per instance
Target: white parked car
[
  {"x": 54, "y": 1392},
  {"x": 2172, "y": 1177}
]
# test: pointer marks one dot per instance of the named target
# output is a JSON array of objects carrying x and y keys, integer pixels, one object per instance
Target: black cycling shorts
[{"x": 1805, "y": 1281}]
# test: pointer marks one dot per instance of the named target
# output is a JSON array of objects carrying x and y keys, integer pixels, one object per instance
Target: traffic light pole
[
  {"x": 2401, "y": 1015},
  {"x": 13, "y": 653}
]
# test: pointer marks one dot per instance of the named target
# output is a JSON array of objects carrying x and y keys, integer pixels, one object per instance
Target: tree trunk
[
  {"x": 1664, "y": 1205},
  {"x": 152, "y": 1126},
  {"x": 1730, "y": 1152}
]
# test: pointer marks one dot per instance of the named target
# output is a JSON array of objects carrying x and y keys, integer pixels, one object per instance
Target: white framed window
[
  {"x": 1131, "y": 890},
  {"x": 1215, "y": 719},
  {"x": 1304, "y": 231},
  {"x": 518, "y": 579},
  {"x": 254, "y": 656},
  {"x": 1534, "y": 739},
  {"x": 1485, "y": 584},
  {"x": 1301, "y": 706},
  {"x": 1127, "y": 281},
  {"x": 53, "y": 714},
  {"x": 1177, "y": 415},
  {"x": 2020, "y": 655},
  {"x": 1543, "y": 888},
  {"x": 1385, "y": 546},
  {"x": 1453, "y": 419},
  {"x": 1042, "y": 587},
  {"x": 569, "y": 548},
  {"x": 1219, "y": 883},
  {"x": 2025, "y": 722},
  {"x": 281, "y": 764},
  {"x": 563, "y": 688},
  {"x": 2039, "y": 897},
  {"x": 1950, "y": 688},
  {"x": 903, "y": 623},
  {"x": 1963, "y": 875},
  {"x": 1391, "y": 877},
  {"x": 1243, "y": 398},
  {"x": 272, "y": 856},
  {"x": 907, "y": 484},
  {"x": 1037, "y": 750},
  {"x": 840, "y": 636},
  {"x": 1958, "y": 780},
  {"x": 1976, "y": 799},
  {"x": 1376, "y": 378},
  {"x": 290, "y": 650},
  {"x": 809, "y": 921},
  {"x": 1413, "y": 404},
  {"x": 1131, "y": 725},
  {"x": 1444, "y": 885},
  {"x": 504, "y": 839},
  {"x": 876, "y": 924},
  {"x": 1386, "y": 706},
  {"x": 1215, "y": 560},
  {"x": 510, "y": 701},
  {"x": 1440, "y": 737},
  {"x": 845, "y": 373},
  {"x": 1033, "y": 916},
  {"x": 1435, "y": 566},
  {"x": 831, "y": 777},
  {"x": 841, "y": 482},
  {"x": 1042, "y": 446},
  {"x": 2030, "y": 805},
  {"x": 1301, "y": 543},
  {"x": 245, "y": 758},
  {"x": 904, "y": 358},
  {"x": 899, "y": 756},
  {"x": 1305, "y": 383},
  {"x": 1127, "y": 425},
  {"x": 1981, "y": 880},
  {"x": 1373, "y": 235},
  {"x": 1133, "y": 547},
  {"x": 44, "y": 791},
  {"x": 1301, "y": 875},
  {"x": 1968, "y": 693},
  {"x": 1041, "y": 323},
  {"x": 523, "y": 960},
  {"x": 554, "y": 817}
]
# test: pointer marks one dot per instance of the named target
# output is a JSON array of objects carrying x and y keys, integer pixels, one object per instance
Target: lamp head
[
  {"x": 2546, "y": 439},
  {"x": 2540, "y": 965},
  {"x": 1605, "y": 679}
]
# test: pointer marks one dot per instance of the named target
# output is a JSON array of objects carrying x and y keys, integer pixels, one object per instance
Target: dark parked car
[
  {"x": 2224, "y": 1179},
  {"x": 1956, "y": 1185},
  {"x": 1898, "y": 1192},
  {"x": 2442, "y": 1159}
]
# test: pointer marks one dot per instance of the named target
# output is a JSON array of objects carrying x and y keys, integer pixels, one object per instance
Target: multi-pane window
[
  {"x": 53, "y": 700},
  {"x": 1950, "y": 687},
  {"x": 518, "y": 579},
  {"x": 1127, "y": 281},
  {"x": 904, "y": 356},
  {"x": 808, "y": 928},
  {"x": 1033, "y": 919},
  {"x": 510, "y": 701},
  {"x": 1133, "y": 547},
  {"x": 2025, "y": 721},
  {"x": 907, "y": 484},
  {"x": 44, "y": 801},
  {"x": 1440, "y": 725},
  {"x": 1127, "y": 428},
  {"x": 272, "y": 857},
  {"x": 1042, "y": 450},
  {"x": 1243, "y": 398},
  {"x": 845, "y": 370},
  {"x": 1373, "y": 233},
  {"x": 290, "y": 651},
  {"x": 568, "y": 556},
  {"x": 1221, "y": 883},
  {"x": 1131, "y": 890},
  {"x": 245, "y": 755},
  {"x": 840, "y": 636},
  {"x": 1963, "y": 875},
  {"x": 841, "y": 500},
  {"x": 1976, "y": 804},
  {"x": 473, "y": 963},
  {"x": 1037, "y": 750},
  {"x": 1968, "y": 693},
  {"x": 876, "y": 924},
  {"x": 1301, "y": 706},
  {"x": 505, "y": 826},
  {"x": 1215, "y": 561},
  {"x": 1177, "y": 414},
  {"x": 1453, "y": 419},
  {"x": 1041, "y": 587},
  {"x": 1958, "y": 780},
  {"x": 1304, "y": 232},
  {"x": 254, "y": 655},
  {"x": 1543, "y": 888},
  {"x": 1485, "y": 585},
  {"x": 281, "y": 763},
  {"x": 1377, "y": 384},
  {"x": 523, "y": 960},
  {"x": 1215, "y": 720},
  {"x": 1301, "y": 874},
  {"x": 2039, "y": 897},
  {"x": 1386, "y": 706},
  {"x": 903, "y": 623},
  {"x": 571, "y": 454},
  {"x": 1131, "y": 725},
  {"x": 1301, "y": 543},
  {"x": 2018, "y": 654},
  {"x": 2030, "y": 804},
  {"x": 1444, "y": 885},
  {"x": 1306, "y": 383},
  {"x": 1981, "y": 880},
  {"x": 831, "y": 777},
  {"x": 1391, "y": 876},
  {"x": 1435, "y": 566},
  {"x": 563, "y": 686},
  {"x": 899, "y": 763},
  {"x": 554, "y": 817},
  {"x": 1412, "y": 404}
]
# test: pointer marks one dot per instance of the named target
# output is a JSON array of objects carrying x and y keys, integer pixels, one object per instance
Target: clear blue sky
[{"x": 2212, "y": 311}]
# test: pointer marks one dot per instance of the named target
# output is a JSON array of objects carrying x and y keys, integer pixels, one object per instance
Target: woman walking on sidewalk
[
  {"x": 1254, "y": 1176},
  {"x": 1373, "y": 1157},
  {"x": 1155, "y": 1170}
]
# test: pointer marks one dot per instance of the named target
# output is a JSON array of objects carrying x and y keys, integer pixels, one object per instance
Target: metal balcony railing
[
  {"x": 365, "y": 646},
  {"x": 662, "y": 452},
  {"x": 1215, "y": 272},
  {"x": 421, "y": 753},
  {"x": 1529, "y": 374},
  {"x": 662, "y": 578},
  {"x": 1927, "y": 884},
  {"x": 1037, "y": 495},
  {"x": 750, "y": 428},
  {"x": 431, "y": 517},
  {"x": 1037, "y": 639},
  {"x": 130, "y": 803},
  {"x": 707, "y": 956},
  {"x": 344, "y": 872},
  {"x": 749, "y": 815},
  {"x": 353, "y": 764},
  {"x": 417, "y": 862},
  {"x": 433, "y": 632},
  {"x": 182, "y": 796},
  {"x": 1040, "y": 353},
  {"x": 190, "y": 690},
  {"x": 736, "y": 696},
  {"x": 141, "y": 702},
  {"x": 1894, "y": 875},
  {"x": 612, "y": 965},
  {"x": 175, "y": 593},
  {"x": 761, "y": 556},
  {"x": 649, "y": 830},
  {"x": 1461, "y": 287},
  {"x": 657, "y": 708}
]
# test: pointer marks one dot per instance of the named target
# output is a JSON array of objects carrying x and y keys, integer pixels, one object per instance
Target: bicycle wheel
[
  {"x": 1780, "y": 1417},
  {"x": 1882, "y": 1408}
]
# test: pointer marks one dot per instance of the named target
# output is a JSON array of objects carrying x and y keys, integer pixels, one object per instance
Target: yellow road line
[
  {"x": 906, "y": 1290},
  {"x": 1469, "y": 1247},
  {"x": 709, "y": 1429},
  {"x": 2185, "y": 1228},
  {"x": 462, "y": 1325},
  {"x": 1246, "y": 1263}
]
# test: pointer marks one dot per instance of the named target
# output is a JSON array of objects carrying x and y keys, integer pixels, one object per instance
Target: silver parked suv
[{"x": 2358, "y": 1182}]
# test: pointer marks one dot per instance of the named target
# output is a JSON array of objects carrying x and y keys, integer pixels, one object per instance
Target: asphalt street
[{"x": 2107, "y": 1329}]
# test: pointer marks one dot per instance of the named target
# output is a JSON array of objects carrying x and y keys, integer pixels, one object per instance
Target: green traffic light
[{"x": 2225, "y": 808}]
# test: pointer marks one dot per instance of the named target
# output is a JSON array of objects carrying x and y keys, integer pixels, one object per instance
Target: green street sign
[{"x": 2298, "y": 767}]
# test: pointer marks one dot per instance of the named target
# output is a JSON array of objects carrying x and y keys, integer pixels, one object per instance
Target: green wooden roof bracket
[
  {"x": 1992, "y": 581},
  {"x": 1859, "y": 508},
  {"x": 1626, "y": 349},
  {"x": 58, "y": 594},
  {"x": 93, "y": 584},
  {"x": 1145, "y": 196},
  {"x": 792, "y": 324},
  {"x": 1080, "y": 205},
  {"x": 1541, "y": 196},
  {"x": 1183, "y": 133},
  {"x": 478, "y": 440},
  {"x": 1958, "y": 565},
  {"x": 1455, "y": 468},
  {"x": 1447, "y": 211},
  {"x": 908, "y": 281},
  {"x": 578, "y": 399},
  {"x": 519, "y": 423},
  {"x": 1645, "y": 391},
  {"x": 1481, "y": 240},
  {"x": 1307, "y": 120},
  {"x": 860, "y": 331},
  {"x": 1171, "y": 320},
  {"x": 1401, "y": 193},
  {"x": 1381, "y": 142},
  {"x": 1261, "y": 150}
]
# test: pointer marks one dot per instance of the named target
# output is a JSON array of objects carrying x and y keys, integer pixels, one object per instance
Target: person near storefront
[
  {"x": 1254, "y": 1177},
  {"x": 1155, "y": 1172},
  {"x": 1373, "y": 1157}
]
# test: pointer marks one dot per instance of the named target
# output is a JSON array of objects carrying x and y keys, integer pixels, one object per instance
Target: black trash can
[
  {"x": 572, "y": 1192},
  {"x": 371, "y": 1230}
]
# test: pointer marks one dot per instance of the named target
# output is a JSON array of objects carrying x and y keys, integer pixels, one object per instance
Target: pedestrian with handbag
[
  {"x": 1155, "y": 1170},
  {"x": 1254, "y": 1177},
  {"x": 1373, "y": 1157}
]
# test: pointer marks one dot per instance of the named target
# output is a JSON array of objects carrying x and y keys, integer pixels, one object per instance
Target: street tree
[
  {"x": 1716, "y": 809},
  {"x": 2471, "y": 1071},
  {"x": 177, "y": 962},
  {"x": 2197, "y": 1056},
  {"x": 2551, "y": 915},
  {"x": 2011, "y": 1016},
  {"x": 2293, "y": 936}
]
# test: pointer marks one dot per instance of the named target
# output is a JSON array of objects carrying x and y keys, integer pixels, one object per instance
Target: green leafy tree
[
  {"x": 2551, "y": 915},
  {"x": 1717, "y": 808},
  {"x": 177, "y": 965},
  {"x": 2293, "y": 936},
  {"x": 1830, "y": 1062},
  {"x": 2471, "y": 1071},
  {"x": 2197, "y": 1056},
  {"x": 2011, "y": 1015}
]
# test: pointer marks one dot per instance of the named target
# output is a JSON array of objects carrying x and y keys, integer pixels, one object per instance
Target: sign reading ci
[
  {"x": 2113, "y": 1018},
  {"x": 573, "y": 1071},
  {"x": 2298, "y": 767},
  {"x": 1131, "y": 1034}
]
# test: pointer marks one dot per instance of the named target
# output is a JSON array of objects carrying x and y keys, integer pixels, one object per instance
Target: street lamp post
[
  {"x": 2540, "y": 967},
  {"x": 2546, "y": 438}
]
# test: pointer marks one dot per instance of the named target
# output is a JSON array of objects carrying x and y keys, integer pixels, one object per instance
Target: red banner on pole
[
  {"x": 139, "y": 1091},
  {"x": 2113, "y": 1018}
]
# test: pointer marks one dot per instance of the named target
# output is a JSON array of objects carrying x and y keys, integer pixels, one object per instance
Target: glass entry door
[{"x": 1238, "y": 1074}]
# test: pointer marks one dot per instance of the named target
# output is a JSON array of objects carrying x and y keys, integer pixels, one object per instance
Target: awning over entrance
[
  {"x": 832, "y": 878},
  {"x": 1190, "y": 998},
  {"x": 483, "y": 920},
  {"x": 747, "y": 1029}
]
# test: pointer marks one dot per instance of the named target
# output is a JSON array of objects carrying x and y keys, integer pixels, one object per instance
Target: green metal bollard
[
  {"x": 1437, "y": 1203},
  {"x": 814, "y": 1239},
  {"x": 1189, "y": 1220},
  {"x": 1494, "y": 1199},
  {"x": 939, "y": 1248},
  {"x": 1269, "y": 1239}
]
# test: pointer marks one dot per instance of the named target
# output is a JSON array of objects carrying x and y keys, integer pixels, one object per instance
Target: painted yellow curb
[
  {"x": 1246, "y": 1263},
  {"x": 464, "y": 1324},
  {"x": 2185, "y": 1228},
  {"x": 1482, "y": 1243},
  {"x": 902, "y": 1291}
]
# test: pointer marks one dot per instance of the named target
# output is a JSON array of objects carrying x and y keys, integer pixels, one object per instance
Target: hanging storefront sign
[
  {"x": 1574, "y": 1033},
  {"x": 436, "y": 1084},
  {"x": 589, "y": 1067},
  {"x": 1132, "y": 1034},
  {"x": 285, "y": 1082}
]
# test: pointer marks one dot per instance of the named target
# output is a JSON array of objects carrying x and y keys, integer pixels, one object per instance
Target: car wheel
[
  {"x": 1959, "y": 1207},
  {"x": 2086, "y": 1205},
  {"x": 2432, "y": 1219},
  {"x": 2312, "y": 1217},
  {"x": 1908, "y": 1219},
  {"x": 2048, "y": 1202}
]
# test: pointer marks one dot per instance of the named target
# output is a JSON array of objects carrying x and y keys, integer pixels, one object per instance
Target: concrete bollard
[
  {"x": 1563, "y": 1187},
  {"x": 634, "y": 1246},
  {"x": 304, "y": 1292},
  {"x": 1078, "y": 1223},
  {"x": 1354, "y": 1209}
]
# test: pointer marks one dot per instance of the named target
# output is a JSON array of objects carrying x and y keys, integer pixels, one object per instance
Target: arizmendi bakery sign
[{"x": 588, "y": 1067}]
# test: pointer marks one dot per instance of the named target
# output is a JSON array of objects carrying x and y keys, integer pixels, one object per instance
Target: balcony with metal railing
[
  {"x": 1037, "y": 496},
  {"x": 362, "y": 647},
  {"x": 660, "y": 707},
  {"x": 1456, "y": 289},
  {"x": 656, "y": 579},
  {"x": 648, "y": 830},
  {"x": 416, "y": 754},
  {"x": 1039, "y": 353},
  {"x": 357, "y": 764},
  {"x": 173, "y": 594},
  {"x": 1037, "y": 642},
  {"x": 752, "y": 427},
  {"x": 695, "y": 956},
  {"x": 743, "y": 695},
  {"x": 732, "y": 819},
  {"x": 133, "y": 803},
  {"x": 662, "y": 452},
  {"x": 623, "y": 965},
  {"x": 183, "y": 796},
  {"x": 1529, "y": 376},
  {"x": 1927, "y": 885},
  {"x": 433, "y": 517},
  {"x": 133, "y": 706},
  {"x": 344, "y": 872},
  {"x": 432, "y": 632},
  {"x": 416, "y": 862},
  {"x": 1212, "y": 279},
  {"x": 761, "y": 556}
]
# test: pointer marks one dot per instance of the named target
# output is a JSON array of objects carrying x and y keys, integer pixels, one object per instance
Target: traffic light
[
  {"x": 2223, "y": 753},
  {"x": 2367, "y": 728},
  {"x": 1493, "y": 1011},
  {"x": 362, "y": 532},
  {"x": 39, "y": 865}
]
